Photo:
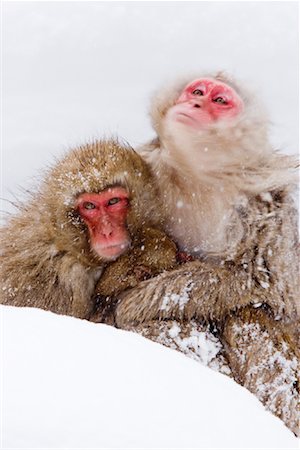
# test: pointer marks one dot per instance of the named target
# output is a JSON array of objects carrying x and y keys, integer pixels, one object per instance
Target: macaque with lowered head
[
  {"x": 227, "y": 200},
  {"x": 95, "y": 219}
]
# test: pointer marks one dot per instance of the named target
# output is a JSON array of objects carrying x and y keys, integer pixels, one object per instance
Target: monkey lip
[
  {"x": 113, "y": 251},
  {"x": 186, "y": 118},
  {"x": 181, "y": 115},
  {"x": 193, "y": 118}
]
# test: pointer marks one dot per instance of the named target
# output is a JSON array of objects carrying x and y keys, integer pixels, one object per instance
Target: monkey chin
[{"x": 111, "y": 252}]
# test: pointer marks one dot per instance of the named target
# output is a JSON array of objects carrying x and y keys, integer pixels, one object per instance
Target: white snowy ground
[
  {"x": 68, "y": 383},
  {"x": 73, "y": 71}
]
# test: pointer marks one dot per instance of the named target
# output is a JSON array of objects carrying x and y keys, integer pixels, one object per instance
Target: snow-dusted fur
[
  {"x": 46, "y": 259},
  {"x": 227, "y": 199},
  {"x": 257, "y": 290},
  {"x": 205, "y": 176}
]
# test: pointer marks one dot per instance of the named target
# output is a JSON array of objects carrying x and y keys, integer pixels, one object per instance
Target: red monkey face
[
  {"x": 205, "y": 102},
  {"x": 105, "y": 216}
]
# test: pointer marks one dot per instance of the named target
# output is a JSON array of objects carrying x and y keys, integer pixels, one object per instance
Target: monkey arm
[
  {"x": 195, "y": 290},
  {"x": 264, "y": 271},
  {"x": 40, "y": 279},
  {"x": 78, "y": 283}
]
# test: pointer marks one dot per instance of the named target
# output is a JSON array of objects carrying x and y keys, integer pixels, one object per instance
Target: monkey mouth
[
  {"x": 181, "y": 114},
  {"x": 112, "y": 252},
  {"x": 185, "y": 118}
]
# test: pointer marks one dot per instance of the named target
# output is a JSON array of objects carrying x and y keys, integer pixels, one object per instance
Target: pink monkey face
[{"x": 204, "y": 102}]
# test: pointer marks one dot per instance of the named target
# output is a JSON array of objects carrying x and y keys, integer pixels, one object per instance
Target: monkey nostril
[{"x": 196, "y": 105}]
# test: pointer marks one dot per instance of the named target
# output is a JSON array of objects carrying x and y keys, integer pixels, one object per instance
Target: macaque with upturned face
[
  {"x": 205, "y": 102},
  {"x": 227, "y": 200},
  {"x": 226, "y": 196},
  {"x": 211, "y": 157},
  {"x": 96, "y": 205}
]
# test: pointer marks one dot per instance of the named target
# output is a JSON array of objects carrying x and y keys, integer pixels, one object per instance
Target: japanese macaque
[
  {"x": 227, "y": 200},
  {"x": 212, "y": 156},
  {"x": 94, "y": 206},
  {"x": 226, "y": 195}
]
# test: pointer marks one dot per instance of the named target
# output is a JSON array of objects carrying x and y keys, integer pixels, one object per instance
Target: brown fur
[
  {"x": 264, "y": 357},
  {"x": 264, "y": 271},
  {"x": 152, "y": 252},
  {"x": 46, "y": 259}
]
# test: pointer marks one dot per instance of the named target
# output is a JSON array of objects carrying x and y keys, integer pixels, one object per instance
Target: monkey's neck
[{"x": 200, "y": 206}]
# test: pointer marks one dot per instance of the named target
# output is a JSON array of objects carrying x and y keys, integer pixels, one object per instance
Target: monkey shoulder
[{"x": 265, "y": 213}]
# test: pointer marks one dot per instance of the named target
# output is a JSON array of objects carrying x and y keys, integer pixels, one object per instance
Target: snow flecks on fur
[
  {"x": 181, "y": 299},
  {"x": 264, "y": 284},
  {"x": 283, "y": 384},
  {"x": 278, "y": 393},
  {"x": 266, "y": 197},
  {"x": 262, "y": 273},
  {"x": 10, "y": 291},
  {"x": 192, "y": 339},
  {"x": 204, "y": 345}
]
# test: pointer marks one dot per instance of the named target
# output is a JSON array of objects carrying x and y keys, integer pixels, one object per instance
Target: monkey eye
[
  {"x": 220, "y": 100},
  {"x": 198, "y": 92},
  {"x": 89, "y": 205},
  {"x": 113, "y": 201}
]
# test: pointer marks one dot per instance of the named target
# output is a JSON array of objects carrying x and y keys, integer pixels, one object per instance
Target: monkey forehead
[
  {"x": 92, "y": 182},
  {"x": 96, "y": 167}
]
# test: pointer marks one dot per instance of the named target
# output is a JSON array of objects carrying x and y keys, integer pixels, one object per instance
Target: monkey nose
[
  {"x": 107, "y": 232},
  {"x": 106, "y": 229}
]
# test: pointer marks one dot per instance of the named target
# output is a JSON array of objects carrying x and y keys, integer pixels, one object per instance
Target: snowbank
[{"x": 69, "y": 383}]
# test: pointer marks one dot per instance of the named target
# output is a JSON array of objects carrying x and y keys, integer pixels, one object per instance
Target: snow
[
  {"x": 69, "y": 383},
  {"x": 180, "y": 299},
  {"x": 74, "y": 71},
  {"x": 205, "y": 345}
]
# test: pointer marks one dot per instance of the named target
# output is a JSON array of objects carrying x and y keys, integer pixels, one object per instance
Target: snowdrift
[{"x": 68, "y": 383}]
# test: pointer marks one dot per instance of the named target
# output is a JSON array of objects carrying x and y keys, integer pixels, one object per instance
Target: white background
[{"x": 75, "y": 71}]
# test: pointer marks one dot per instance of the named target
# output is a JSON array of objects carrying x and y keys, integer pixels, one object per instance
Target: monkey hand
[
  {"x": 154, "y": 250},
  {"x": 115, "y": 278},
  {"x": 183, "y": 257},
  {"x": 151, "y": 253},
  {"x": 142, "y": 273}
]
